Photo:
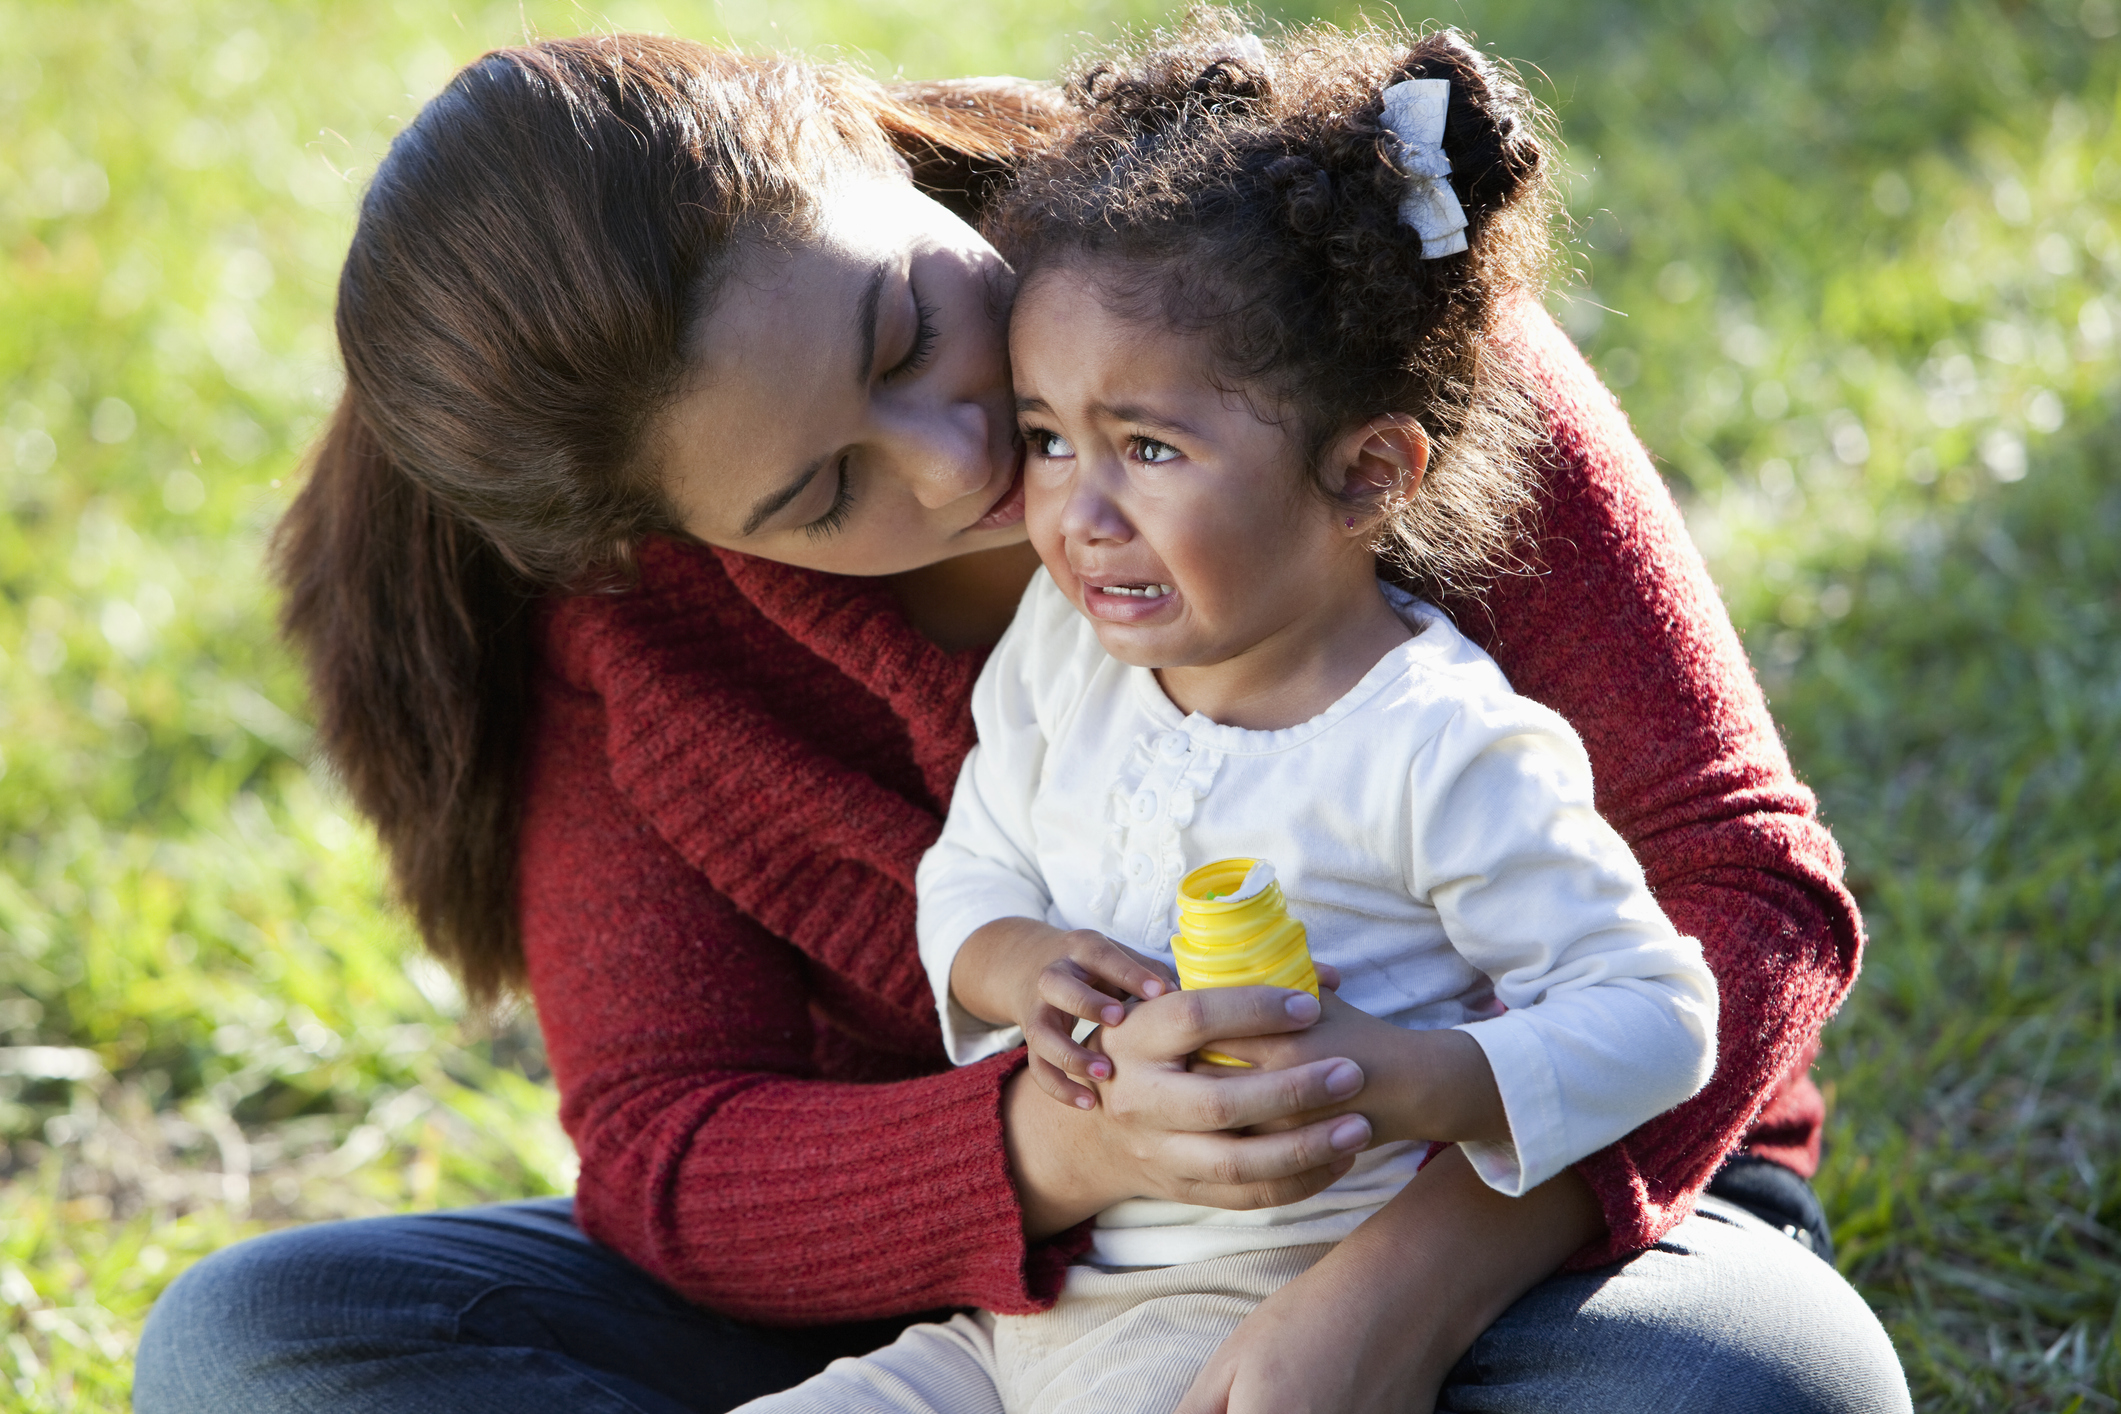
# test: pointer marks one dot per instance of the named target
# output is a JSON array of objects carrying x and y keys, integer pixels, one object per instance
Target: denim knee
[
  {"x": 1727, "y": 1315},
  {"x": 217, "y": 1325}
]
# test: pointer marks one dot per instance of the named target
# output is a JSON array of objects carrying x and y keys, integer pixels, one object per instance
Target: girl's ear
[{"x": 1377, "y": 467}]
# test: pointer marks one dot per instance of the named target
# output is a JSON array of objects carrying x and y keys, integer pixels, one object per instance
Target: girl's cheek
[{"x": 1042, "y": 503}]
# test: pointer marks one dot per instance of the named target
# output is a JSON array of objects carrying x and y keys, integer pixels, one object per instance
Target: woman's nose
[{"x": 955, "y": 457}]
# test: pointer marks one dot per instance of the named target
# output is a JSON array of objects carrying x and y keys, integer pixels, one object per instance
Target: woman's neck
[
  {"x": 966, "y": 602},
  {"x": 1300, "y": 670}
]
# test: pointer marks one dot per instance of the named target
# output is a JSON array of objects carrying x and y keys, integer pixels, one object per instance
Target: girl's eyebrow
[
  {"x": 1142, "y": 417},
  {"x": 1120, "y": 412}
]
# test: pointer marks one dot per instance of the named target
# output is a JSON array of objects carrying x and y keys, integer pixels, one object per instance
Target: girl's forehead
[
  {"x": 1062, "y": 331},
  {"x": 1071, "y": 350}
]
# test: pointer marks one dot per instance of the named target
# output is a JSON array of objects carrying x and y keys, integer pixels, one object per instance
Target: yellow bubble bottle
[{"x": 1234, "y": 930}]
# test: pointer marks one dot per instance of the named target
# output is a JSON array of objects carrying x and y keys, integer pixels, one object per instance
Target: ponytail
[{"x": 417, "y": 636}]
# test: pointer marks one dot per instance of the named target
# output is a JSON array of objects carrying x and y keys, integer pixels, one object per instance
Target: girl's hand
[
  {"x": 1422, "y": 1084},
  {"x": 1032, "y": 974},
  {"x": 1160, "y": 1131},
  {"x": 1087, "y": 977},
  {"x": 1315, "y": 1347}
]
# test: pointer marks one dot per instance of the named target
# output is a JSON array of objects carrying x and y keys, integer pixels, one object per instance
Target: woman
[{"x": 643, "y": 577}]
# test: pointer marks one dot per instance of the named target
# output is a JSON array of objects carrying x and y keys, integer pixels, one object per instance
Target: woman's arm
[
  {"x": 1623, "y": 633},
  {"x": 1625, "y": 636},
  {"x": 688, "y": 1046},
  {"x": 692, "y": 1050}
]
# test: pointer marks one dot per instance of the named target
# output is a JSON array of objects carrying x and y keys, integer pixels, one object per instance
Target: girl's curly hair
[{"x": 1246, "y": 190}]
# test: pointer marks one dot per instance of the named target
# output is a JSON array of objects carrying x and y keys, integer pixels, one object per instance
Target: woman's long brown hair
[{"x": 513, "y": 316}]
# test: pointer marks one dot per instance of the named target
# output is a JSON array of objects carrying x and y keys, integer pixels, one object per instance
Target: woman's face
[{"x": 848, "y": 407}]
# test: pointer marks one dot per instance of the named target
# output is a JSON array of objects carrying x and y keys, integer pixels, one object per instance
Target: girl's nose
[
  {"x": 954, "y": 457},
  {"x": 1089, "y": 515}
]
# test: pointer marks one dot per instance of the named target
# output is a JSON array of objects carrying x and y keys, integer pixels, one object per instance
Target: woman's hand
[
  {"x": 1421, "y": 1084},
  {"x": 1160, "y": 1131},
  {"x": 1376, "y": 1326}
]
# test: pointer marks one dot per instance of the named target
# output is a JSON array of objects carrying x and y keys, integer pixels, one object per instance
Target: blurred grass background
[{"x": 1851, "y": 265}]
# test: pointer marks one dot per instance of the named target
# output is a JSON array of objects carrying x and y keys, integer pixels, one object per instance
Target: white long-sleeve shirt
[{"x": 1434, "y": 833}]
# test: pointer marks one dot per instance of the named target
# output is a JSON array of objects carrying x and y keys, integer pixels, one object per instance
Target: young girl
[{"x": 1253, "y": 353}]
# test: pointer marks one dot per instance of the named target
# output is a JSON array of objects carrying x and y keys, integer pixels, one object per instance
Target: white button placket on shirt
[{"x": 1151, "y": 803}]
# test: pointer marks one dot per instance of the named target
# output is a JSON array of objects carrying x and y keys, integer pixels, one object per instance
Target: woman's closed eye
[
  {"x": 923, "y": 346},
  {"x": 835, "y": 516}
]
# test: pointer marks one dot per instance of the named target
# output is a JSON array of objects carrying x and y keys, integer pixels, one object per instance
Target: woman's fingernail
[
  {"x": 1113, "y": 1015},
  {"x": 1152, "y": 988},
  {"x": 1301, "y": 1006},
  {"x": 1100, "y": 1070},
  {"x": 1352, "y": 1132},
  {"x": 1343, "y": 1080},
  {"x": 1084, "y": 1102}
]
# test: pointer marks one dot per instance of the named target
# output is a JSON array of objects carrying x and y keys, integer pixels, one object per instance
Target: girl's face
[
  {"x": 1175, "y": 518},
  {"x": 848, "y": 408}
]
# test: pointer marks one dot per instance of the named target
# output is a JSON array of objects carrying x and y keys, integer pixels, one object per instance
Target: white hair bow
[{"x": 1414, "y": 113}]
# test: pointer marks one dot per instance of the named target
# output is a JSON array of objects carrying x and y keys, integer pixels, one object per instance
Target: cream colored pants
[{"x": 1124, "y": 1342}]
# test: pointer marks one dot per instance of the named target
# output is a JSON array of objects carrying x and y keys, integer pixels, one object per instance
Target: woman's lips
[{"x": 1010, "y": 508}]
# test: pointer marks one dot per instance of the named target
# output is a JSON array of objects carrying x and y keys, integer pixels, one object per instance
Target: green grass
[{"x": 1852, "y": 268}]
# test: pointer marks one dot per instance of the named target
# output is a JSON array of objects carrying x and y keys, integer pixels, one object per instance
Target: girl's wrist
[
  {"x": 983, "y": 974},
  {"x": 1434, "y": 1085}
]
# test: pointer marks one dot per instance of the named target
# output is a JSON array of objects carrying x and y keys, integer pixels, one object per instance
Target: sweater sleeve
[
  {"x": 684, "y": 1037},
  {"x": 1611, "y": 1014},
  {"x": 1624, "y": 635}
]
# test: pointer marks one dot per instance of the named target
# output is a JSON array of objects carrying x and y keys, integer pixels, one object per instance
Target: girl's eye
[
  {"x": 835, "y": 517},
  {"x": 923, "y": 348},
  {"x": 1148, "y": 449},
  {"x": 1050, "y": 445}
]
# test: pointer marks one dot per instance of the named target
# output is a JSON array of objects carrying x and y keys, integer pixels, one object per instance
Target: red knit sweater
[{"x": 737, "y": 765}]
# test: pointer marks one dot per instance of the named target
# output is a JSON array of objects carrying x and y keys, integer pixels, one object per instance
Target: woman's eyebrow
[
  {"x": 774, "y": 502},
  {"x": 865, "y": 323}
]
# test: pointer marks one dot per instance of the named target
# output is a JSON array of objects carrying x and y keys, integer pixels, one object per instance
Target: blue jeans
[{"x": 509, "y": 1309}]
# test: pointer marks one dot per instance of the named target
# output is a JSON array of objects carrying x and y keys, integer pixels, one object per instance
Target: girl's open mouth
[{"x": 1129, "y": 601}]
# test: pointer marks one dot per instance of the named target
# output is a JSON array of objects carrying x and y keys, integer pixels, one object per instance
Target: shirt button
[
  {"x": 1139, "y": 867},
  {"x": 1173, "y": 745},
  {"x": 1144, "y": 804}
]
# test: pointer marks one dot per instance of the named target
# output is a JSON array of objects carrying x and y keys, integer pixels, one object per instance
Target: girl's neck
[{"x": 1298, "y": 671}]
